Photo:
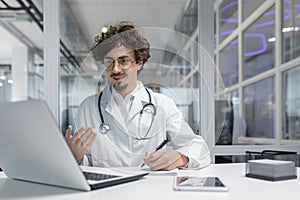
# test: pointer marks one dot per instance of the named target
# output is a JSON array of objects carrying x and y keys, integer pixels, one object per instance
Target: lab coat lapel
[
  {"x": 111, "y": 108},
  {"x": 140, "y": 99}
]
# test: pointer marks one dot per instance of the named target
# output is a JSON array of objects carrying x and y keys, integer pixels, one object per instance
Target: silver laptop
[{"x": 32, "y": 148}]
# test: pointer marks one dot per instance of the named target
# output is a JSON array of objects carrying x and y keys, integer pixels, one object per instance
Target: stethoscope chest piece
[{"x": 104, "y": 128}]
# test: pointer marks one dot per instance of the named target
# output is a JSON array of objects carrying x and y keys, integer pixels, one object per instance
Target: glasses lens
[
  {"x": 108, "y": 62},
  {"x": 124, "y": 62}
]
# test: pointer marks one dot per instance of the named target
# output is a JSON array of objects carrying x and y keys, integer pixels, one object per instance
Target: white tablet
[{"x": 195, "y": 183}]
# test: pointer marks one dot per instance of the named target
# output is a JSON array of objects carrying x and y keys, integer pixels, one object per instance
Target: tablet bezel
[{"x": 204, "y": 187}]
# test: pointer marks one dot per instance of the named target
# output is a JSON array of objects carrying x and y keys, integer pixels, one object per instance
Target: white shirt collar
[
  {"x": 130, "y": 96},
  {"x": 125, "y": 104}
]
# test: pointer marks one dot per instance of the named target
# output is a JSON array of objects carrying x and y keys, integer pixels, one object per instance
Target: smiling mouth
[{"x": 117, "y": 76}]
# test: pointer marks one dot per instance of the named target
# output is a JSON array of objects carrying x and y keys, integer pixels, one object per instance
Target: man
[{"x": 128, "y": 119}]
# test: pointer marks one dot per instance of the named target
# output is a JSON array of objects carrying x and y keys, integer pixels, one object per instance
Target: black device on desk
[
  {"x": 272, "y": 165},
  {"x": 32, "y": 148}
]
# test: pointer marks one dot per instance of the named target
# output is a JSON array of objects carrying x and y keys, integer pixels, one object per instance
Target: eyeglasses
[{"x": 123, "y": 62}]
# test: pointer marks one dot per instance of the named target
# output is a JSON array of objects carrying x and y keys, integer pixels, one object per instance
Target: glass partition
[
  {"x": 229, "y": 63},
  {"x": 290, "y": 30},
  {"x": 172, "y": 68},
  {"x": 291, "y": 104},
  {"x": 259, "y": 45},
  {"x": 228, "y": 13},
  {"x": 250, "y": 6},
  {"x": 260, "y": 106}
]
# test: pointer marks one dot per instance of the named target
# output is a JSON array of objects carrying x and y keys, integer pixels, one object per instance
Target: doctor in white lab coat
[{"x": 132, "y": 136}]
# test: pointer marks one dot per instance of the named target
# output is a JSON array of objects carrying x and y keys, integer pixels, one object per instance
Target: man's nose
[{"x": 115, "y": 66}]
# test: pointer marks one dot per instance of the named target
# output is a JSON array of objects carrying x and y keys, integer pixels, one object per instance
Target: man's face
[{"x": 122, "y": 76}]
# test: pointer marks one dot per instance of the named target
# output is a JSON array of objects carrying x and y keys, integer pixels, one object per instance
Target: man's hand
[
  {"x": 165, "y": 160},
  {"x": 81, "y": 142}
]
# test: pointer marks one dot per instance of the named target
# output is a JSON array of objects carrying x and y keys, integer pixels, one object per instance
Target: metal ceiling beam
[{"x": 39, "y": 21}]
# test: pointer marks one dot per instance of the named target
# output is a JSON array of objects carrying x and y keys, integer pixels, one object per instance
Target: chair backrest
[{"x": 224, "y": 118}]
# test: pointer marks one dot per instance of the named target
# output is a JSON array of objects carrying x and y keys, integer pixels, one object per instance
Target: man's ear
[{"x": 140, "y": 65}]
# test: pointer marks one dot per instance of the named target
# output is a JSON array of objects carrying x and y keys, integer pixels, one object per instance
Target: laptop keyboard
[{"x": 97, "y": 176}]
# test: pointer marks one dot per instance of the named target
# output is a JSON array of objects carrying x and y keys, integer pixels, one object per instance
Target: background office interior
[{"x": 255, "y": 50}]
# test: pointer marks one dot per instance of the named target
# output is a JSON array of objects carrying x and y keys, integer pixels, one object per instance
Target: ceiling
[{"x": 92, "y": 15}]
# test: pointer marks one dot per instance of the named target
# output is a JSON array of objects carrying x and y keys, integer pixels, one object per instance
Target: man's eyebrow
[{"x": 125, "y": 56}]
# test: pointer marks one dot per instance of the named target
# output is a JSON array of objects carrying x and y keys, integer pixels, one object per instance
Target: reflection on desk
[{"x": 156, "y": 187}]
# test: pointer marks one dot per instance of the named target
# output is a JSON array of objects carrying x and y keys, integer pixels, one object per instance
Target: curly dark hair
[{"x": 124, "y": 33}]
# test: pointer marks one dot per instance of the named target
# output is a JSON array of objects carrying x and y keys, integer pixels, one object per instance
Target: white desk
[{"x": 160, "y": 187}]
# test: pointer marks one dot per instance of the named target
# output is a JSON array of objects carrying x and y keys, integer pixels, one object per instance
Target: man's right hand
[{"x": 81, "y": 142}]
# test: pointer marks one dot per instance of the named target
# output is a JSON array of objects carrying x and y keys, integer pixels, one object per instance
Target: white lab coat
[{"x": 118, "y": 148}]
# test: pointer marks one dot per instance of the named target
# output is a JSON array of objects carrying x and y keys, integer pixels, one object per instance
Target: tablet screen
[{"x": 199, "y": 183}]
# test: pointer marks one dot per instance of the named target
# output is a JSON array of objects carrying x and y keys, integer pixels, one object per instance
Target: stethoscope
[{"x": 104, "y": 127}]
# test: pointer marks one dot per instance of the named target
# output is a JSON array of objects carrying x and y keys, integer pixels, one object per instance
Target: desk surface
[{"x": 158, "y": 187}]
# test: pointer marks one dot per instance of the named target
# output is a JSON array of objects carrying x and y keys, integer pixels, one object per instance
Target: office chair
[{"x": 224, "y": 118}]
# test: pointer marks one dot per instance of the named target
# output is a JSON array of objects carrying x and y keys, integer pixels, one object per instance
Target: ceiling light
[
  {"x": 272, "y": 39},
  {"x": 289, "y": 29},
  {"x": 2, "y": 77},
  {"x": 104, "y": 30},
  {"x": 1, "y": 84},
  {"x": 10, "y": 81},
  {"x": 286, "y": 29}
]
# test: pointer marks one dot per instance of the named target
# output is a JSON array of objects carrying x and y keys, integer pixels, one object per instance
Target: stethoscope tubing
[{"x": 104, "y": 127}]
